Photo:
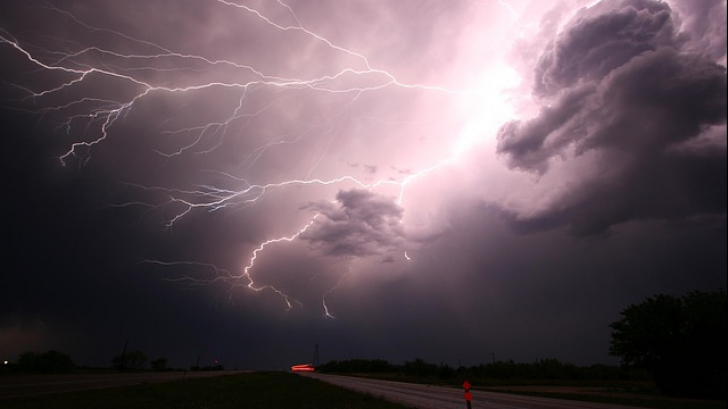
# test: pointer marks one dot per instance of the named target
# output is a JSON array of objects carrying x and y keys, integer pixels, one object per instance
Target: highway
[{"x": 439, "y": 397}]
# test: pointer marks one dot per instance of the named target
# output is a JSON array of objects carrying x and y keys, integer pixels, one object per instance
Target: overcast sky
[{"x": 455, "y": 181}]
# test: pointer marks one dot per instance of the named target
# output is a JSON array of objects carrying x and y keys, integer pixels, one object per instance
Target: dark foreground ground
[
  {"x": 264, "y": 390},
  {"x": 15, "y": 386},
  {"x": 273, "y": 390}
]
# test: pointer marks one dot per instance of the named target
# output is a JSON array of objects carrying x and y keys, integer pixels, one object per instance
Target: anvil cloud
[{"x": 454, "y": 180}]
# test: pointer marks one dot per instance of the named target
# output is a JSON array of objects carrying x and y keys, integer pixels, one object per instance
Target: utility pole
[
  {"x": 315, "y": 361},
  {"x": 122, "y": 365}
]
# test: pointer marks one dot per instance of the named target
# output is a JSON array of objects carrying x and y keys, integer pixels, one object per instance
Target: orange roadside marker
[{"x": 468, "y": 395}]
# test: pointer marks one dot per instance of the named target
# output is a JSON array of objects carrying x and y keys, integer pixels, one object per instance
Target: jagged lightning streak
[
  {"x": 233, "y": 280},
  {"x": 105, "y": 113},
  {"x": 223, "y": 275}
]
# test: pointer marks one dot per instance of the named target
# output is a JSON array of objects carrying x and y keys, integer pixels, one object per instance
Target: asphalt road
[
  {"x": 439, "y": 397},
  {"x": 19, "y": 386}
]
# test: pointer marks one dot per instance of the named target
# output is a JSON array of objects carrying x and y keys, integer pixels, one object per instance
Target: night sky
[{"x": 457, "y": 181}]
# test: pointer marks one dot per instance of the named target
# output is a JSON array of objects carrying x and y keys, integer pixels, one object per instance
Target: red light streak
[{"x": 303, "y": 368}]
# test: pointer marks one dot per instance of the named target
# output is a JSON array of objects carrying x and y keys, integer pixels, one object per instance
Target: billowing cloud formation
[
  {"x": 602, "y": 38},
  {"x": 621, "y": 85},
  {"x": 362, "y": 223},
  {"x": 704, "y": 22}
]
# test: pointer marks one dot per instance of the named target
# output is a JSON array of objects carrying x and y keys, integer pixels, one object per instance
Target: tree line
[
  {"x": 56, "y": 362},
  {"x": 679, "y": 342},
  {"x": 543, "y": 369}
]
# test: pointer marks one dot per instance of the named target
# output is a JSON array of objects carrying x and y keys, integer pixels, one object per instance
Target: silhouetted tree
[
  {"x": 159, "y": 364},
  {"x": 132, "y": 360},
  {"x": 445, "y": 371},
  {"x": 542, "y": 369},
  {"x": 358, "y": 366},
  {"x": 48, "y": 362},
  {"x": 420, "y": 368},
  {"x": 681, "y": 341}
]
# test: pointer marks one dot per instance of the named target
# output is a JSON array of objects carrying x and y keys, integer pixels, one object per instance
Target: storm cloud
[
  {"x": 360, "y": 224},
  {"x": 624, "y": 87}
]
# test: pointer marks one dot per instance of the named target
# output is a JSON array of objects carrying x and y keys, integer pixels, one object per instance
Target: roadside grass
[
  {"x": 639, "y": 394},
  {"x": 269, "y": 390},
  {"x": 655, "y": 402}
]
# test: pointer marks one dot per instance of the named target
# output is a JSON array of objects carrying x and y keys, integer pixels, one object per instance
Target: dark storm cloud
[
  {"x": 526, "y": 140},
  {"x": 602, "y": 38},
  {"x": 362, "y": 223},
  {"x": 617, "y": 84},
  {"x": 704, "y": 22}
]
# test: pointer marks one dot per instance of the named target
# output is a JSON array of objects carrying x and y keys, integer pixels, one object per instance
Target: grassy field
[
  {"x": 273, "y": 390},
  {"x": 269, "y": 390}
]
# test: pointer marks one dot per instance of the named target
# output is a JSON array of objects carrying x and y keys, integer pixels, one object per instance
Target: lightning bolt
[{"x": 135, "y": 72}]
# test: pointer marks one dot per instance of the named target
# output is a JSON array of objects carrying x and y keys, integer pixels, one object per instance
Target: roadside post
[{"x": 468, "y": 395}]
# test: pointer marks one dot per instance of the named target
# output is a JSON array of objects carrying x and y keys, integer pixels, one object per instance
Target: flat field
[
  {"x": 264, "y": 390},
  {"x": 273, "y": 390}
]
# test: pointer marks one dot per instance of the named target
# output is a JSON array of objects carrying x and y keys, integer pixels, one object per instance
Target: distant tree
[
  {"x": 420, "y": 368},
  {"x": 358, "y": 366},
  {"x": 159, "y": 364},
  {"x": 48, "y": 362},
  {"x": 136, "y": 359},
  {"x": 445, "y": 371},
  {"x": 130, "y": 360},
  {"x": 603, "y": 373},
  {"x": 681, "y": 341},
  {"x": 550, "y": 368},
  {"x": 501, "y": 370}
]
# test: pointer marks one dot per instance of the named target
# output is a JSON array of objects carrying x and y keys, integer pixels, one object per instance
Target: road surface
[
  {"x": 31, "y": 385},
  {"x": 440, "y": 397}
]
